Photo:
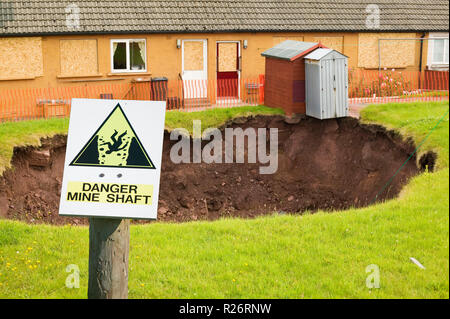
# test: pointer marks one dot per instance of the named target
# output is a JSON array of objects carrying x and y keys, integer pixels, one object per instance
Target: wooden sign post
[
  {"x": 109, "y": 242},
  {"x": 111, "y": 174}
]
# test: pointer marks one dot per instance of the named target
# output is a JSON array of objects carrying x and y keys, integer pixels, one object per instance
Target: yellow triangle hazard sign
[{"x": 114, "y": 144}]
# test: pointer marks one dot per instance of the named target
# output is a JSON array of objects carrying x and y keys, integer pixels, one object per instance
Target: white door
[{"x": 194, "y": 68}]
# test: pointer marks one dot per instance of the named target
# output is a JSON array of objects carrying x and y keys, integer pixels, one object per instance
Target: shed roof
[
  {"x": 320, "y": 53},
  {"x": 290, "y": 50},
  {"x": 41, "y": 17}
]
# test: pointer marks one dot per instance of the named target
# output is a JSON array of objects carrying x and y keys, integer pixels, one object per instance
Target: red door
[{"x": 228, "y": 69}]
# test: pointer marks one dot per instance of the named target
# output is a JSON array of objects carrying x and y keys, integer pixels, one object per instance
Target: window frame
[
  {"x": 431, "y": 46},
  {"x": 128, "y": 58}
]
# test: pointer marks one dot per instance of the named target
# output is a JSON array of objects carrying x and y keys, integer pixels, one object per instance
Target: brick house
[{"x": 62, "y": 43}]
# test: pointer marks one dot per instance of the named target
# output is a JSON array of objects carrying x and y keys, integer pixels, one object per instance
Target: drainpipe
[
  {"x": 421, "y": 55},
  {"x": 379, "y": 58}
]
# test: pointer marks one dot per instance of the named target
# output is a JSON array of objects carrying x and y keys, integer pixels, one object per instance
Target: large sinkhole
[{"x": 328, "y": 165}]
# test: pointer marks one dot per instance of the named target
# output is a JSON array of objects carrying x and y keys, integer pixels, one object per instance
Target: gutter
[{"x": 61, "y": 33}]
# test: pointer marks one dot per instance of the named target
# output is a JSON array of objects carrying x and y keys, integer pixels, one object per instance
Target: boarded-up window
[
  {"x": 395, "y": 53},
  {"x": 278, "y": 40},
  {"x": 78, "y": 57},
  {"x": 335, "y": 43},
  {"x": 20, "y": 58},
  {"x": 227, "y": 57},
  {"x": 193, "y": 55}
]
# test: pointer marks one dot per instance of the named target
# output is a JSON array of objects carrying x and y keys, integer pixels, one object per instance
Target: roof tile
[{"x": 47, "y": 17}]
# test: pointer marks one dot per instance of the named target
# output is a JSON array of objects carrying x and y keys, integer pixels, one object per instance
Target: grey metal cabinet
[{"x": 326, "y": 80}]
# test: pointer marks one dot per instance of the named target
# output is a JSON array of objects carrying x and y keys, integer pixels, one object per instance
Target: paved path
[{"x": 355, "y": 109}]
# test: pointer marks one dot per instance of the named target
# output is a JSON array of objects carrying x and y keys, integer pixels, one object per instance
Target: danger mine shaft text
[{"x": 110, "y": 193}]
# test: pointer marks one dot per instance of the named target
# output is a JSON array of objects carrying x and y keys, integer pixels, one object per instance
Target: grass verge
[
  {"x": 415, "y": 120},
  {"x": 14, "y": 134}
]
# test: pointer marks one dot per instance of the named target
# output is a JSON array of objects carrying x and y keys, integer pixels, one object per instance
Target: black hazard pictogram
[{"x": 114, "y": 144}]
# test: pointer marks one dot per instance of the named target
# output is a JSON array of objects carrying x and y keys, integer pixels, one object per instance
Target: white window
[
  {"x": 128, "y": 55},
  {"x": 438, "y": 50}
]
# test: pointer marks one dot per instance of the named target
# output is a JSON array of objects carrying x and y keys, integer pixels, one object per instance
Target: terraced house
[{"x": 65, "y": 43}]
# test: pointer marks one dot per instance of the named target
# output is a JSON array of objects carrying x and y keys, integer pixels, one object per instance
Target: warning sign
[
  {"x": 114, "y": 144},
  {"x": 113, "y": 159}
]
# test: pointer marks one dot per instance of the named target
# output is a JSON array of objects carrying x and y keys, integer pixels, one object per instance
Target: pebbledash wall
[{"x": 53, "y": 61}]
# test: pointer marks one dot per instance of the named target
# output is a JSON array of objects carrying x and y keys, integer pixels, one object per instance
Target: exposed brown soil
[{"x": 332, "y": 164}]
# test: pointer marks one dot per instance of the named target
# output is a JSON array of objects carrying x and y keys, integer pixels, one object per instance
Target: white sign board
[{"x": 113, "y": 159}]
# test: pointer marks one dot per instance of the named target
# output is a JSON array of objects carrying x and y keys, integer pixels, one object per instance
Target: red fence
[{"x": 189, "y": 95}]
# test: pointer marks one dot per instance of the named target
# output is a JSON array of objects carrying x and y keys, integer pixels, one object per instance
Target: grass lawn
[
  {"x": 322, "y": 255},
  {"x": 415, "y": 120}
]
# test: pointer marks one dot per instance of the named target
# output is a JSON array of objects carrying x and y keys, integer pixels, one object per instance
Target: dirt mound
[{"x": 332, "y": 164}]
